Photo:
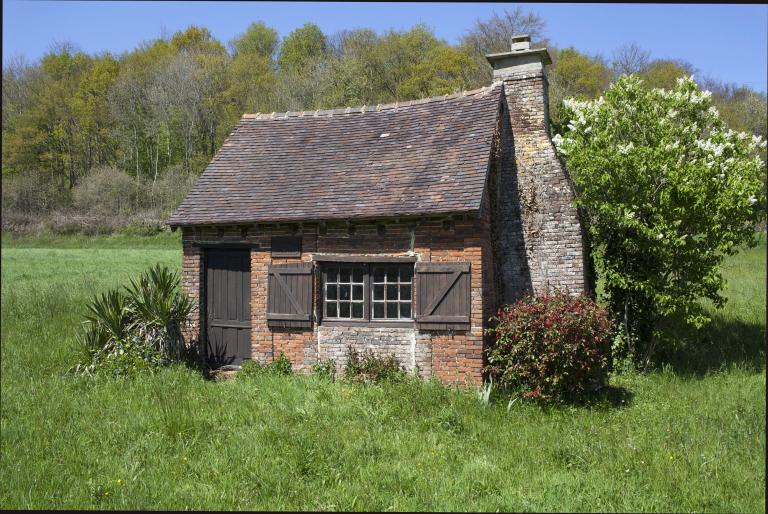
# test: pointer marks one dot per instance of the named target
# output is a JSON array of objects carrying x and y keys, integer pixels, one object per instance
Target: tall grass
[{"x": 688, "y": 437}]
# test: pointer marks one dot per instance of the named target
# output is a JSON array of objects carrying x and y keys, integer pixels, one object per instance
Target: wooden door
[{"x": 228, "y": 305}]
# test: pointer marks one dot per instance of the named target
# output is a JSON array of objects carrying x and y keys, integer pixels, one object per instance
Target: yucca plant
[
  {"x": 108, "y": 318},
  {"x": 155, "y": 300},
  {"x": 138, "y": 328}
]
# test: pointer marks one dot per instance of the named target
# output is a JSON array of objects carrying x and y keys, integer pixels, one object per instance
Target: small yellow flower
[{"x": 119, "y": 481}]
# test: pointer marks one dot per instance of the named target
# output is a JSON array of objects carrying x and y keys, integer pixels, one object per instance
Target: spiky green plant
[
  {"x": 141, "y": 325},
  {"x": 155, "y": 300}
]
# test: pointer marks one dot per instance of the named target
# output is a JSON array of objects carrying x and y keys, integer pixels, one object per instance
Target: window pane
[
  {"x": 378, "y": 274},
  {"x": 406, "y": 274},
  {"x": 344, "y": 275},
  {"x": 357, "y": 292},
  {"x": 344, "y": 292},
  {"x": 331, "y": 292},
  {"x": 357, "y": 310},
  {"x": 357, "y": 275},
  {"x": 378, "y": 310},
  {"x": 392, "y": 310},
  {"x": 378, "y": 292},
  {"x": 405, "y": 310},
  {"x": 405, "y": 292},
  {"x": 333, "y": 274},
  {"x": 343, "y": 309},
  {"x": 392, "y": 292},
  {"x": 331, "y": 306},
  {"x": 392, "y": 274}
]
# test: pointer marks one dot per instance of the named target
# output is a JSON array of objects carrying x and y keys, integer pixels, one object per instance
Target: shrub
[
  {"x": 555, "y": 346},
  {"x": 167, "y": 192},
  {"x": 249, "y": 369},
  {"x": 107, "y": 191},
  {"x": 370, "y": 368},
  {"x": 325, "y": 368},
  {"x": 280, "y": 366},
  {"x": 136, "y": 328},
  {"x": 30, "y": 192}
]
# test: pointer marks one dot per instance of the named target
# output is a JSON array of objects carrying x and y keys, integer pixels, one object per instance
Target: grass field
[{"x": 688, "y": 437}]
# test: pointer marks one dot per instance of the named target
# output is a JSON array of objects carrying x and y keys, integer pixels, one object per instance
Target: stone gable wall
[{"x": 550, "y": 225}]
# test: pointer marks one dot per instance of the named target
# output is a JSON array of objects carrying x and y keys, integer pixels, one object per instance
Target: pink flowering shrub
[{"x": 554, "y": 347}]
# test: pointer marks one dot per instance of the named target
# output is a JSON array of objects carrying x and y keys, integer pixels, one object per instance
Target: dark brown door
[{"x": 228, "y": 302}]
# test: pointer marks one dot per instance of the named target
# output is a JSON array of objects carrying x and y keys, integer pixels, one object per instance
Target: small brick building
[{"x": 399, "y": 228}]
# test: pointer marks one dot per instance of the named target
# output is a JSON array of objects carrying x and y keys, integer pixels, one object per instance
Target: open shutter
[
  {"x": 289, "y": 295},
  {"x": 443, "y": 300}
]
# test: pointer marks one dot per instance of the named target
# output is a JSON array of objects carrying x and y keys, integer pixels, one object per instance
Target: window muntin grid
[
  {"x": 347, "y": 292},
  {"x": 391, "y": 292},
  {"x": 344, "y": 292}
]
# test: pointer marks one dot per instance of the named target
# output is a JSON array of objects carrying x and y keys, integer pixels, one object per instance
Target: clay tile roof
[{"x": 427, "y": 156}]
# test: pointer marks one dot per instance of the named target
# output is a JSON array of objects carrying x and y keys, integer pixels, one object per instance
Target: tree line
[{"x": 111, "y": 134}]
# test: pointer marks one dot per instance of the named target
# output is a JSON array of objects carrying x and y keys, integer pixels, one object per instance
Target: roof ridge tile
[{"x": 397, "y": 105}]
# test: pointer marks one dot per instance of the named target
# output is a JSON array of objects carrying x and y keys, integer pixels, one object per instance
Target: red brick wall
[{"x": 453, "y": 358}]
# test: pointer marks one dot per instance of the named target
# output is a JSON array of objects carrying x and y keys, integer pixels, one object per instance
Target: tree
[
  {"x": 303, "y": 46},
  {"x": 668, "y": 191},
  {"x": 258, "y": 39},
  {"x": 303, "y": 76},
  {"x": 495, "y": 35},
  {"x": 664, "y": 73},
  {"x": 577, "y": 75},
  {"x": 630, "y": 59}
]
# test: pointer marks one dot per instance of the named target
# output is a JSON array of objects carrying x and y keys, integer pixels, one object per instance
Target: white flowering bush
[{"x": 667, "y": 192}]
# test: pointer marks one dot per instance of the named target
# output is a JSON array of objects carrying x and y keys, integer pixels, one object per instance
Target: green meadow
[{"x": 687, "y": 436}]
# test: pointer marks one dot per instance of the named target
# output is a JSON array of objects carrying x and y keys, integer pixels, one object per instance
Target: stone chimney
[
  {"x": 524, "y": 67},
  {"x": 549, "y": 223}
]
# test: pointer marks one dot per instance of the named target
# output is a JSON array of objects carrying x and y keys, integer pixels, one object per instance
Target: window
[
  {"x": 367, "y": 292},
  {"x": 392, "y": 292},
  {"x": 344, "y": 291}
]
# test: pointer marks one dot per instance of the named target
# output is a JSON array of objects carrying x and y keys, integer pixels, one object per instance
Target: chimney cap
[
  {"x": 521, "y": 45},
  {"x": 520, "y": 42}
]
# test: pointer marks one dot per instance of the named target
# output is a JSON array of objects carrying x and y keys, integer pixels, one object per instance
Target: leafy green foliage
[
  {"x": 137, "y": 329},
  {"x": 668, "y": 191},
  {"x": 258, "y": 39},
  {"x": 554, "y": 347},
  {"x": 575, "y": 75},
  {"x": 370, "y": 368},
  {"x": 281, "y": 365},
  {"x": 154, "y": 116},
  {"x": 303, "y": 46},
  {"x": 325, "y": 369},
  {"x": 251, "y": 368}
]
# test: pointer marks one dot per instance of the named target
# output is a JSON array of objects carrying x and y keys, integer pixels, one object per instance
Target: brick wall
[
  {"x": 452, "y": 357},
  {"x": 191, "y": 280}
]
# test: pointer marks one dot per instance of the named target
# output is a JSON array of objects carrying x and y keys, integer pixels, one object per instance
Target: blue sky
[{"x": 725, "y": 42}]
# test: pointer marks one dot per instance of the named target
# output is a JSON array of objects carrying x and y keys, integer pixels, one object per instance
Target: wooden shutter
[
  {"x": 286, "y": 246},
  {"x": 289, "y": 295},
  {"x": 443, "y": 295}
]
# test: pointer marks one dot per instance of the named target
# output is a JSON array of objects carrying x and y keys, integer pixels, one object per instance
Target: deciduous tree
[{"x": 668, "y": 191}]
